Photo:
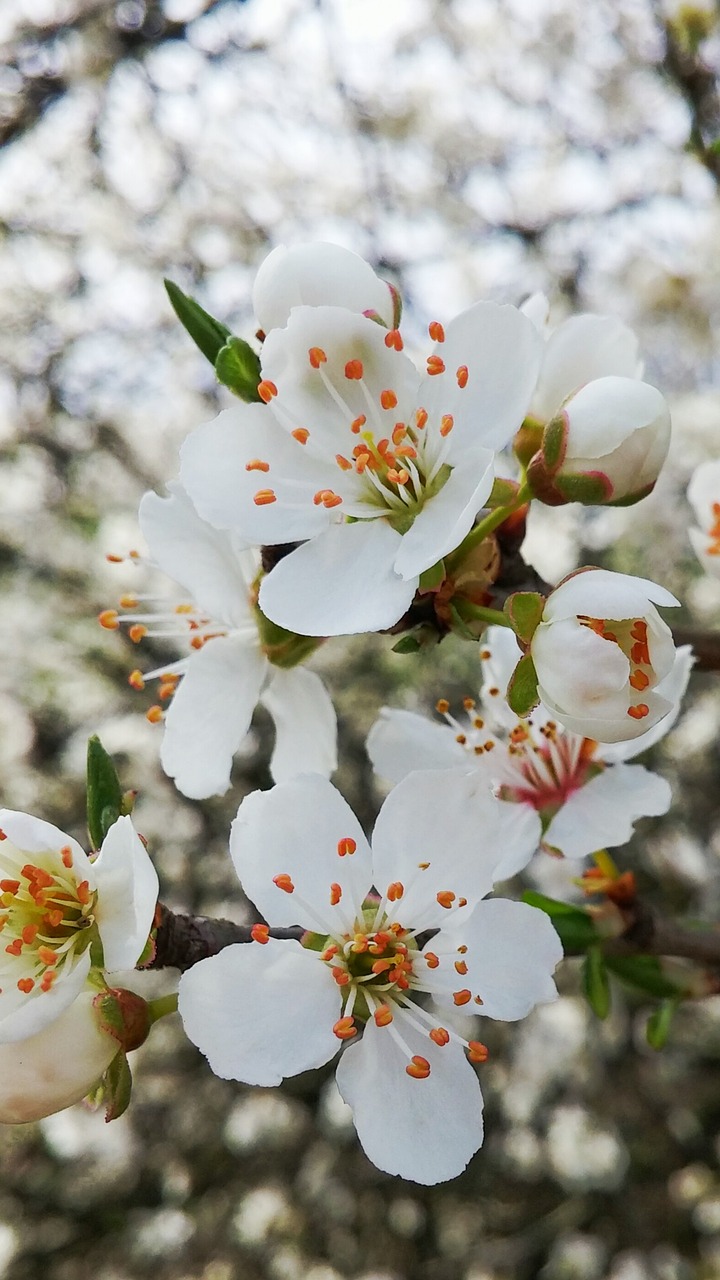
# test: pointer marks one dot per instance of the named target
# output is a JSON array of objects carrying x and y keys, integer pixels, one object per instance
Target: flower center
[{"x": 631, "y": 637}]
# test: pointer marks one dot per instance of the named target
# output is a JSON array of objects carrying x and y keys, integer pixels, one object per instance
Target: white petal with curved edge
[
  {"x": 213, "y": 470},
  {"x": 451, "y": 820},
  {"x": 603, "y": 812},
  {"x": 580, "y": 350},
  {"x": 305, "y": 724},
  {"x": 261, "y": 1011},
  {"x": 606, "y": 412},
  {"x": 448, "y": 516},
  {"x": 295, "y": 830},
  {"x": 317, "y": 275},
  {"x": 127, "y": 886},
  {"x": 600, "y": 593},
  {"x": 25, "y": 1015},
  {"x": 673, "y": 689},
  {"x": 704, "y": 490},
  {"x": 537, "y": 309},
  {"x": 202, "y": 559},
  {"x": 341, "y": 583},
  {"x": 609, "y": 723},
  {"x": 579, "y": 670},
  {"x": 501, "y": 349},
  {"x": 210, "y": 715},
  {"x": 512, "y": 953},
  {"x": 401, "y": 742},
  {"x": 423, "y": 1130},
  {"x": 33, "y": 835}
]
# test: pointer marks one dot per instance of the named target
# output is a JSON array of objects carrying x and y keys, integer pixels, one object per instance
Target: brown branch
[
  {"x": 706, "y": 646},
  {"x": 181, "y": 940},
  {"x": 698, "y": 85}
]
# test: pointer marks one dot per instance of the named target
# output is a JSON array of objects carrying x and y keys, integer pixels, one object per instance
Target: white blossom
[
  {"x": 704, "y": 497},
  {"x": 318, "y": 275}
]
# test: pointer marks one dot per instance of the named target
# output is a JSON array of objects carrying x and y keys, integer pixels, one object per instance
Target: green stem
[
  {"x": 161, "y": 1007},
  {"x": 489, "y": 524},
  {"x": 472, "y": 612}
]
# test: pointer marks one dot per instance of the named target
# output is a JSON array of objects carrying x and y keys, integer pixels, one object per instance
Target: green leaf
[
  {"x": 238, "y": 367},
  {"x": 104, "y": 794},
  {"x": 525, "y": 610},
  {"x": 407, "y": 644},
  {"x": 659, "y": 1024},
  {"x": 117, "y": 1087},
  {"x": 574, "y": 926},
  {"x": 595, "y": 982},
  {"x": 522, "y": 692},
  {"x": 645, "y": 973},
  {"x": 207, "y": 333}
]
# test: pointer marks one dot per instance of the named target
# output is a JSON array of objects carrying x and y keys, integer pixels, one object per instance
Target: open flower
[
  {"x": 586, "y": 796},
  {"x": 601, "y": 651},
  {"x": 318, "y": 275},
  {"x": 62, "y": 912},
  {"x": 379, "y": 471},
  {"x": 704, "y": 497},
  {"x": 214, "y": 691},
  {"x": 606, "y": 432},
  {"x": 271, "y": 1009}
]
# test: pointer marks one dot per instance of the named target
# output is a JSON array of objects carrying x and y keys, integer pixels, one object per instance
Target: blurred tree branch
[{"x": 683, "y": 64}]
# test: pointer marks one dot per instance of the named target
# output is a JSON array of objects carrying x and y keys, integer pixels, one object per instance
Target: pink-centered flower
[
  {"x": 213, "y": 692},
  {"x": 601, "y": 652},
  {"x": 62, "y": 913},
  {"x": 704, "y": 498},
  {"x": 377, "y": 470},
  {"x": 271, "y": 1009},
  {"x": 587, "y": 797}
]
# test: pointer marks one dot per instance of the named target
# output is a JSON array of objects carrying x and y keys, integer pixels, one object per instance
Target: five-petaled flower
[
  {"x": 379, "y": 471},
  {"x": 271, "y": 1009},
  {"x": 587, "y": 797},
  {"x": 601, "y": 652},
  {"x": 62, "y": 912},
  {"x": 214, "y": 691}
]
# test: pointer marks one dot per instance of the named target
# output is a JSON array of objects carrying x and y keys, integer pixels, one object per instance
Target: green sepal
[
  {"x": 528, "y": 439},
  {"x": 554, "y": 442},
  {"x": 645, "y": 973},
  {"x": 105, "y": 798},
  {"x": 432, "y": 579},
  {"x": 459, "y": 625},
  {"x": 522, "y": 691},
  {"x": 503, "y": 493},
  {"x": 592, "y": 489},
  {"x": 631, "y": 498},
  {"x": 116, "y": 1088},
  {"x": 574, "y": 927},
  {"x": 284, "y": 648},
  {"x": 407, "y": 644},
  {"x": 206, "y": 332},
  {"x": 238, "y": 367},
  {"x": 124, "y": 1016},
  {"x": 660, "y": 1022},
  {"x": 525, "y": 610},
  {"x": 595, "y": 982},
  {"x": 420, "y": 637}
]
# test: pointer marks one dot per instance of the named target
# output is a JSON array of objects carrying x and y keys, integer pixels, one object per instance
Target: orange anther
[
  {"x": 461, "y": 967},
  {"x": 266, "y": 390},
  {"x": 477, "y": 1052},
  {"x": 462, "y": 997},
  {"x": 462, "y": 902},
  {"x": 421, "y": 418},
  {"x": 129, "y": 602},
  {"x": 25, "y": 985},
  {"x": 9, "y": 886},
  {"x": 331, "y": 499},
  {"x": 47, "y": 979},
  {"x": 3, "y": 836},
  {"x": 284, "y": 882},
  {"x": 394, "y": 339},
  {"x": 264, "y": 497},
  {"x": 343, "y": 463},
  {"x": 443, "y": 706},
  {"x": 335, "y": 894},
  {"x": 418, "y": 1068},
  {"x": 405, "y": 451},
  {"x": 354, "y": 370},
  {"x": 357, "y": 423},
  {"x": 446, "y": 898},
  {"x": 479, "y": 1000},
  {"x": 317, "y": 356},
  {"x": 423, "y": 866},
  {"x": 83, "y": 892},
  {"x": 440, "y": 1035},
  {"x": 436, "y": 331},
  {"x": 109, "y": 619},
  {"x": 639, "y": 680},
  {"x": 112, "y": 559},
  {"x": 135, "y": 679},
  {"x": 257, "y": 464},
  {"x": 345, "y": 846},
  {"x": 388, "y": 399},
  {"x": 136, "y": 632},
  {"x": 341, "y": 976},
  {"x": 345, "y": 1028},
  {"x": 431, "y": 959},
  {"x": 640, "y": 711},
  {"x": 395, "y": 891},
  {"x": 29, "y": 933},
  {"x": 447, "y": 422},
  {"x": 382, "y": 966},
  {"x": 435, "y": 365},
  {"x": 638, "y": 631},
  {"x": 330, "y": 951},
  {"x": 300, "y": 434},
  {"x": 46, "y": 956},
  {"x": 167, "y": 690},
  {"x": 399, "y": 432},
  {"x": 398, "y": 477},
  {"x": 154, "y": 714},
  {"x": 462, "y": 375},
  {"x": 53, "y": 918},
  {"x": 260, "y": 933},
  {"x": 383, "y": 1016},
  {"x": 639, "y": 653},
  {"x": 15, "y": 947}
]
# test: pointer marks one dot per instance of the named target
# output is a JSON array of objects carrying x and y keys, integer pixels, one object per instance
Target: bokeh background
[{"x": 470, "y": 149}]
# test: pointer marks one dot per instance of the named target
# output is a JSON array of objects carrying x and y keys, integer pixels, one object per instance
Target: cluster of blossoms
[{"x": 355, "y": 492}]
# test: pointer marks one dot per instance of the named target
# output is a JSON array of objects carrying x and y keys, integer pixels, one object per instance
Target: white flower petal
[
  {"x": 401, "y": 742},
  {"x": 202, "y": 559},
  {"x": 451, "y": 820},
  {"x": 25, "y": 1015},
  {"x": 317, "y": 275},
  {"x": 127, "y": 887},
  {"x": 701, "y": 544},
  {"x": 580, "y": 670},
  {"x": 295, "y": 830},
  {"x": 610, "y": 721},
  {"x": 505, "y": 653},
  {"x": 423, "y": 1130},
  {"x": 448, "y": 516},
  {"x": 704, "y": 491},
  {"x": 581, "y": 349},
  {"x": 537, "y": 309},
  {"x": 341, "y": 583},
  {"x": 673, "y": 689},
  {"x": 305, "y": 724},
  {"x": 210, "y": 714},
  {"x": 600, "y": 593},
  {"x": 261, "y": 1012},
  {"x": 512, "y": 952},
  {"x": 33, "y": 835},
  {"x": 602, "y": 813}
]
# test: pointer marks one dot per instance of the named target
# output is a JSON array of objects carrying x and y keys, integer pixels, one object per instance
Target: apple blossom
[
  {"x": 587, "y": 797},
  {"x": 601, "y": 651},
  {"x": 215, "y": 690},
  {"x": 377, "y": 470},
  {"x": 63, "y": 912},
  {"x": 606, "y": 433},
  {"x": 704, "y": 497},
  {"x": 318, "y": 275},
  {"x": 271, "y": 1009}
]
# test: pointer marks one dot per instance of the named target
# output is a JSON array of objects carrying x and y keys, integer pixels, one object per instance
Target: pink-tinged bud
[
  {"x": 56, "y": 1067},
  {"x": 319, "y": 275},
  {"x": 124, "y": 1016},
  {"x": 606, "y": 446}
]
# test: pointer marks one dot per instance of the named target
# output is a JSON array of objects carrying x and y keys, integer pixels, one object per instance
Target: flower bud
[
  {"x": 57, "y": 1066},
  {"x": 605, "y": 446},
  {"x": 600, "y": 650},
  {"x": 318, "y": 275}
]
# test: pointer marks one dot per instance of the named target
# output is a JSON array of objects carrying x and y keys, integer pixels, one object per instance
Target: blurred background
[{"x": 470, "y": 149}]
